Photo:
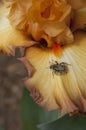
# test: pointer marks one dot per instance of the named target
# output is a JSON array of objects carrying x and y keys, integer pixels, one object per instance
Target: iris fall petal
[{"x": 66, "y": 92}]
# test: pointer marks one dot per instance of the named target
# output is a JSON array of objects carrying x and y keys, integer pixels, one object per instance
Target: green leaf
[
  {"x": 1, "y": 128},
  {"x": 32, "y": 114},
  {"x": 66, "y": 122}
]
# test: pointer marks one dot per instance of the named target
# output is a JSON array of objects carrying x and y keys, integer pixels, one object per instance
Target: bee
[{"x": 59, "y": 68}]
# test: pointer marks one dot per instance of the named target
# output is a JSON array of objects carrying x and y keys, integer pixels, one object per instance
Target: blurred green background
[
  {"x": 35, "y": 118},
  {"x": 32, "y": 114}
]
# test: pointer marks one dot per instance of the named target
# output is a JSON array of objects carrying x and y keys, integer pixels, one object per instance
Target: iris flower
[{"x": 55, "y": 49}]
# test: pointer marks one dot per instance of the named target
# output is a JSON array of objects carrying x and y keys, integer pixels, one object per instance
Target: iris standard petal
[
  {"x": 77, "y": 5},
  {"x": 10, "y": 38},
  {"x": 18, "y": 13},
  {"x": 79, "y": 20}
]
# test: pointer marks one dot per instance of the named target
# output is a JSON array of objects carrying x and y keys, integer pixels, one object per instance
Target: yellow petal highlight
[
  {"x": 79, "y": 20},
  {"x": 65, "y": 37},
  {"x": 10, "y": 38},
  {"x": 66, "y": 92},
  {"x": 54, "y": 28}
]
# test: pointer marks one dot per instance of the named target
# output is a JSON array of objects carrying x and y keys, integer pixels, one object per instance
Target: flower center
[{"x": 46, "y": 12}]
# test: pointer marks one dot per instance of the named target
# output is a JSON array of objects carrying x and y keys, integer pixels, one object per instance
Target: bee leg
[
  {"x": 63, "y": 63},
  {"x": 56, "y": 62}
]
